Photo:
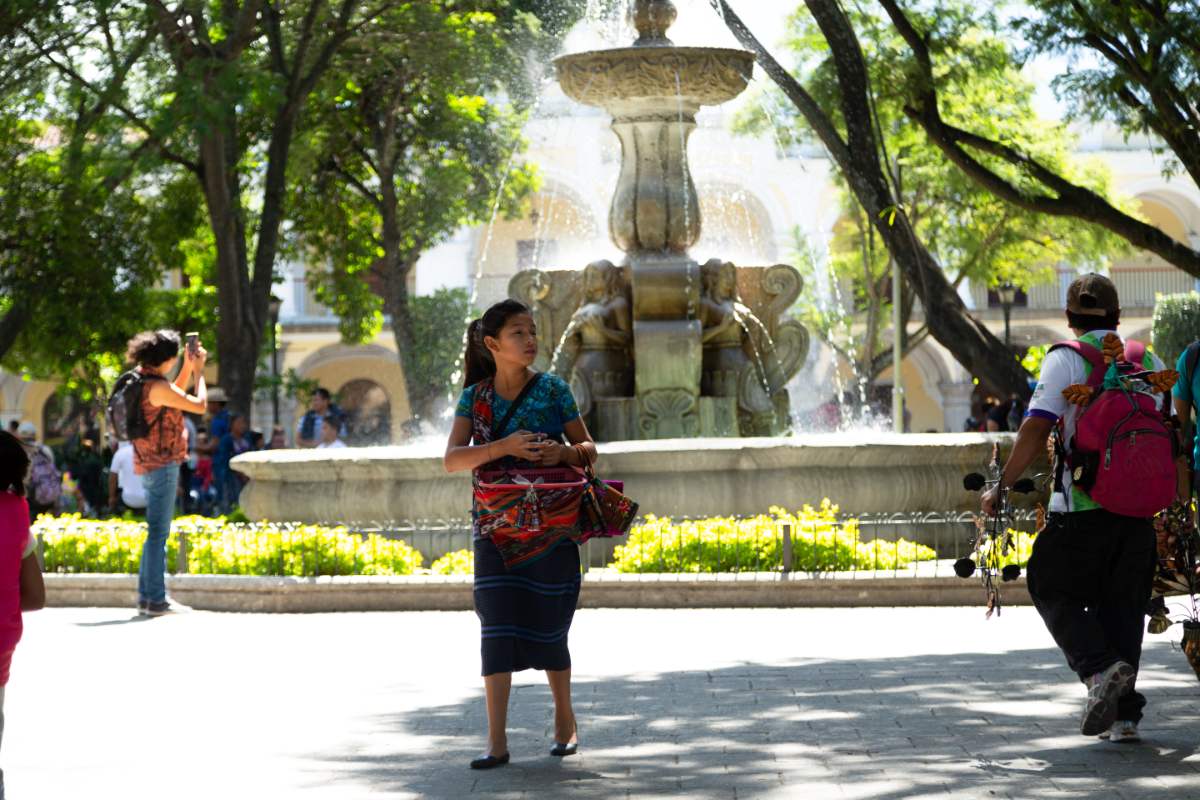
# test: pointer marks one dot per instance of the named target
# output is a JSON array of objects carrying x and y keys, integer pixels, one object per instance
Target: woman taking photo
[
  {"x": 157, "y": 456},
  {"x": 512, "y": 416}
]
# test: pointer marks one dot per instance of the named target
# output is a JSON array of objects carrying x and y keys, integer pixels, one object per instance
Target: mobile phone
[{"x": 193, "y": 343}]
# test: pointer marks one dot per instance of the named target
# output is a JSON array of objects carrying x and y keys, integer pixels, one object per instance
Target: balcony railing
[{"x": 1138, "y": 288}]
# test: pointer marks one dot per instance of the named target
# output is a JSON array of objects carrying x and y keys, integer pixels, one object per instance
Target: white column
[{"x": 956, "y": 404}]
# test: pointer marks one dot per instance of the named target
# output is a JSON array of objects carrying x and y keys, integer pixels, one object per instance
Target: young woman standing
[
  {"x": 525, "y": 612},
  {"x": 157, "y": 456}
]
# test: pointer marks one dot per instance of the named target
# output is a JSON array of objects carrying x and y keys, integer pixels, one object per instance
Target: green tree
[
  {"x": 221, "y": 91},
  {"x": 437, "y": 321},
  {"x": 973, "y": 234},
  {"x": 415, "y": 139},
  {"x": 87, "y": 223},
  {"x": 851, "y": 134},
  {"x": 1139, "y": 70}
]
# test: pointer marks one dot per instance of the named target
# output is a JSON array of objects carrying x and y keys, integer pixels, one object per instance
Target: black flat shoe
[
  {"x": 562, "y": 750},
  {"x": 489, "y": 762}
]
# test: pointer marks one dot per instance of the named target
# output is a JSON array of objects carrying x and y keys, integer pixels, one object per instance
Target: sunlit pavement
[{"x": 872, "y": 703}]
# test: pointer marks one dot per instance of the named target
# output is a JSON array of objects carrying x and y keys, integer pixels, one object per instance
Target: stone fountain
[
  {"x": 661, "y": 347},
  {"x": 669, "y": 358}
]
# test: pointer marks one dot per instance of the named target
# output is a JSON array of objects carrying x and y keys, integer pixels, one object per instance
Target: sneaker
[
  {"x": 159, "y": 609},
  {"x": 1104, "y": 689},
  {"x": 142, "y": 604},
  {"x": 1123, "y": 731}
]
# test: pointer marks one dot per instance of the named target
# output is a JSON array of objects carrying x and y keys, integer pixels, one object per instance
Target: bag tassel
[{"x": 529, "y": 513}]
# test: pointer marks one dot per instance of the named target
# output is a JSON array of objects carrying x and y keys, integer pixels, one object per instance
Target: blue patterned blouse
[{"x": 548, "y": 408}]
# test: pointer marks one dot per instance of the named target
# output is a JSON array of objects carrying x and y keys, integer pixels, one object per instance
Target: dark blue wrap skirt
[{"x": 526, "y": 613}]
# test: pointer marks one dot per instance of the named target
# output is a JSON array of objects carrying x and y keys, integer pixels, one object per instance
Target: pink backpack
[{"x": 1123, "y": 451}]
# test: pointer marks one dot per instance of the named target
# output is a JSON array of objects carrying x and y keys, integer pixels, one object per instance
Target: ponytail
[{"x": 478, "y": 363}]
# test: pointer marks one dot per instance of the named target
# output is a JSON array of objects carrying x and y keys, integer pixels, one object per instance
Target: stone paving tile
[{"x": 839, "y": 703}]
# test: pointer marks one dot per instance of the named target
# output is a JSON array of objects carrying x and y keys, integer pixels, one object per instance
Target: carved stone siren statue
[
  {"x": 739, "y": 357},
  {"x": 596, "y": 350},
  {"x": 724, "y": 355}
]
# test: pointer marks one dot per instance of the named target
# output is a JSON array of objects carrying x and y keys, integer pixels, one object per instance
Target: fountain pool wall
[{"x": 861, "y": 472}]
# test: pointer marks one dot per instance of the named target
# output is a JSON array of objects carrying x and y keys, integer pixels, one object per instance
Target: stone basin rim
[
  {"x": 824, "y": 443},
  {"x": 641, "y": 53}
]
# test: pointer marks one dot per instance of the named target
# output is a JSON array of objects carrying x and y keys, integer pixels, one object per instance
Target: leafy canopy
[{"x": 974, "y": 235}]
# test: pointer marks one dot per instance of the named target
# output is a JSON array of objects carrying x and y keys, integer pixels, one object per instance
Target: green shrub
[
  {"x": 460, "y": 562},
  {"x": 820, "y": 543},
  {"x": 220, "y": 547},
  {"x": 1176, "y": 324}
]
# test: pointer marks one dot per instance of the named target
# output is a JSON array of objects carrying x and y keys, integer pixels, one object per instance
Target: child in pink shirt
[{"x": 21, "y": 587}]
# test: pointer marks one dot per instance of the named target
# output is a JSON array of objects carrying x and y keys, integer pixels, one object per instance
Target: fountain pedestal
[{"x": 653, "y": 91}]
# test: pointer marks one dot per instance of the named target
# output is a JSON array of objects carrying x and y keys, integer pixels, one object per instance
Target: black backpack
[{"x": 125, "y": 413}]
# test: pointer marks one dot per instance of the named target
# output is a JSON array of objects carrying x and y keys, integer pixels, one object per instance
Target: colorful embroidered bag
[{"x": 526, "y": 510}]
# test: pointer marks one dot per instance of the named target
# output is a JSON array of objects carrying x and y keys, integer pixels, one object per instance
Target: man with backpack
[
  {"x": 1092, "y": 566},
  {"x": 45, "y": 479}
]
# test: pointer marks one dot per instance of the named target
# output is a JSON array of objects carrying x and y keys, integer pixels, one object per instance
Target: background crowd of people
[{"x": 88, "y": 474}]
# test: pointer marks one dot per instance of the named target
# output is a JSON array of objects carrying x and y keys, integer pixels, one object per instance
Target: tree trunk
[
  {"x": 13, "y": 322},
  {"x": 396, "y": 268},
  {"x": 857, "y": 157},
  {"x": 239, "y": 333}
]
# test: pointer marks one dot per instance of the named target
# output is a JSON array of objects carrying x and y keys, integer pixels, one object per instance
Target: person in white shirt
[
  {"x": 121, "y": 476},
  {"x": 331, "y": 435},
  {"x": 1091, "y": 571}
]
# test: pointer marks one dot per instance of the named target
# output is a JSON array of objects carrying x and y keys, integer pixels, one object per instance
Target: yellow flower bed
[
  {"x": 216, "y": 546},
  {"x": 820, "y": 543},
  {"x": 459, "y": 562}
]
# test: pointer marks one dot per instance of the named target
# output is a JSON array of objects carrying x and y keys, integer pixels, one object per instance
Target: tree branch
[
  {"x": 817, "y": 119},
  {"x": 71, "y": 73},
  {"x": 1071, "y": 200}
]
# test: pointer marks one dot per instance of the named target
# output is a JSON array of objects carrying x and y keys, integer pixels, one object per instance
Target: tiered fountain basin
[{"x": 862, "y": 472}]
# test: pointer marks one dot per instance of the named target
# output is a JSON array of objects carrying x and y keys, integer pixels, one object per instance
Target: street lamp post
[
  {"x": 273, "y": 310},
  {"x": 1008, "y": 295}
]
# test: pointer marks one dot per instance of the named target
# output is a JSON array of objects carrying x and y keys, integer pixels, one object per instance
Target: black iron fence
[{"x": 819, "y": 543}]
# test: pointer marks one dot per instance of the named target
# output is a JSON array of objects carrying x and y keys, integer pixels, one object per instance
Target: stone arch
[
  {"x": 1180, "y": 201},
  {"x": 736, "y": 225},
  {"x": 338, "y": 365},
  {"x": 1141, "y": 276},
  {"x": 35, "y": 401}
]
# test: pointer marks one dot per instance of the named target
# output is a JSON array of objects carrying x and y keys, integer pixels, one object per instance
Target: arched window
[{"x": 368, "y": 413}]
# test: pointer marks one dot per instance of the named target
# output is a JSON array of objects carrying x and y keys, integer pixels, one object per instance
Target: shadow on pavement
[
  {"x": 971, "y": 725},
  {"x": 109, "y": 622}
]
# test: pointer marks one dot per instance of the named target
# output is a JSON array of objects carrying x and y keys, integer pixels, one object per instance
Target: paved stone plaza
[{"x": 871, "y": 703}]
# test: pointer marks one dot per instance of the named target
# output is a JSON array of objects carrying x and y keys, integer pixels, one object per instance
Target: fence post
[
  {"x": 787, "y": 548},
  {"x": 181, "y": 555}
]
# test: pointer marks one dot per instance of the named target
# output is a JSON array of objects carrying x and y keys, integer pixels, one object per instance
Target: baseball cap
[
  {"x": 1093, "y": 295},
  {"x": 27, "y": 431},
  {"x": 217, "y": 395}
]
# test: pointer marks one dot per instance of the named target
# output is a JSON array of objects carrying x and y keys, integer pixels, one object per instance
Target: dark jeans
[{"x": 1090, "y": 576}]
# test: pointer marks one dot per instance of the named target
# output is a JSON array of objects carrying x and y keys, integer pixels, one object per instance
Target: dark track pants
[{"x": 1090, "y": 576}]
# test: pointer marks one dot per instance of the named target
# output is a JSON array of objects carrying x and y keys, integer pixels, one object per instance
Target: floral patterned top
[{"x": 547, "y": 409}]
